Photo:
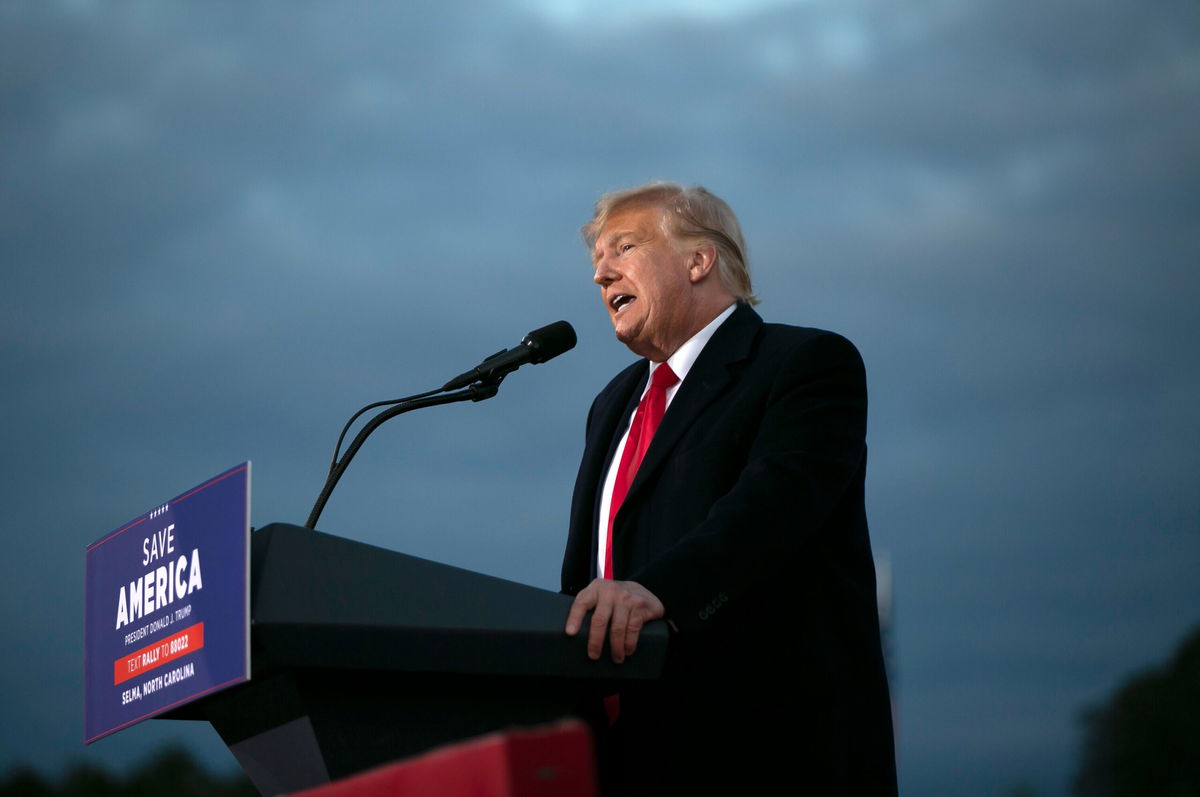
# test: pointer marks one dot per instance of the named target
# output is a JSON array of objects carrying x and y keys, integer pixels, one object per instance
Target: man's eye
[{"x": 626, "y": 247}]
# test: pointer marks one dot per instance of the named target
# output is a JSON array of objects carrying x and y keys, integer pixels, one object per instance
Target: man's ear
[{"x": 703, "y": 262}]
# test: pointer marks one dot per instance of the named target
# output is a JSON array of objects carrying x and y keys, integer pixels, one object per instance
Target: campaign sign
[{"x": 167, "y": 606}]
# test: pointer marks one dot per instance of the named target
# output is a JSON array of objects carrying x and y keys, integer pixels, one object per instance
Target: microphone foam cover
[{"x": 550, "y": 341}]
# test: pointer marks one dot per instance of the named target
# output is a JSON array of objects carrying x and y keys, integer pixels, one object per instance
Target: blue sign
[{"x": 167, "y": 606}]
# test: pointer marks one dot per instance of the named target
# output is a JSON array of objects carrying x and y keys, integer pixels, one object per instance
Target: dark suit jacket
[{"x": 746, "y": 519}]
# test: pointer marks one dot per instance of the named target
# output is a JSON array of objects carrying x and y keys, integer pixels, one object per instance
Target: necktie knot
[{"x": 664, "y": 378}]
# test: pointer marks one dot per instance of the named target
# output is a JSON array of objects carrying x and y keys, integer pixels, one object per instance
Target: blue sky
[{"x": 224, "y": 228}]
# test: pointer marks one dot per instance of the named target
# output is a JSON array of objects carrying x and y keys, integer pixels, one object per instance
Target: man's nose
[{"x": 604, "y": 272}]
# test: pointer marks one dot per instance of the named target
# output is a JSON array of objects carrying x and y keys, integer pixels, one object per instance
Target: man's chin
[
  {"x": 623, "y": 334},
  {"x": 630, "y": 340},
  {"x": 639, "y": 347},
  {"x": 634, "y": 340}
]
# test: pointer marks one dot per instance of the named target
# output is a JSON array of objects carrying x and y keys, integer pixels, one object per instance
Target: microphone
[{"x": 536, "y": 347}]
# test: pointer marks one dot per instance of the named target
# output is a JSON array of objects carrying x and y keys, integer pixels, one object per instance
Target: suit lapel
[
  {"x": 708, "y": 378},
  {"x": 616, "y": 422},
  {"x": 608, "y": 425}
]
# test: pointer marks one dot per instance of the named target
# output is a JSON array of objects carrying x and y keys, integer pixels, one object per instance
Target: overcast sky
[{"x": 226, "y": 226}]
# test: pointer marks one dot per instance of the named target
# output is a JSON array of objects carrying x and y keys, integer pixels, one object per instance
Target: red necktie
[{"x": 645, "y": 421}]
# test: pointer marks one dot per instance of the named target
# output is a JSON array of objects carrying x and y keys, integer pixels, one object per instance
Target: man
[{"x": 738, "y": 517}]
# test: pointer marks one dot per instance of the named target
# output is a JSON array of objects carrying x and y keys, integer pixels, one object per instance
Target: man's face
[{"x": 643, "y": 277}]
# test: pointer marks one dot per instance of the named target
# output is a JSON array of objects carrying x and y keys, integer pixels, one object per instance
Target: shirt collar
[{"x": 686, "y": 355}]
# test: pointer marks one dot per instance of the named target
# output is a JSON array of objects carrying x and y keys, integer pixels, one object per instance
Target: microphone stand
[{"x": 480, "y": 391}]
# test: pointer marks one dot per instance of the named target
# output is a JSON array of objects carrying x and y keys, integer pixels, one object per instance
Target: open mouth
[{"x": 620, "y": 301}]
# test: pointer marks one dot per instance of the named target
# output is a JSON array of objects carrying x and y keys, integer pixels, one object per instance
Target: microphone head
[{"x": 550, "y": 341}]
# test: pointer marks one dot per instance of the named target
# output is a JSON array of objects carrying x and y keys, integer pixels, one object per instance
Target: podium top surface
[{"x": 321, "y": 601}]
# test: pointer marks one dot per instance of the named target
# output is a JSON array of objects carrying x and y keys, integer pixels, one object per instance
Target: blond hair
[{"x": 693, "y": 215}]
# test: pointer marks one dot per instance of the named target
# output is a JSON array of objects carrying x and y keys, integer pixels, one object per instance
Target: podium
[{"x": 361, "y": 655}]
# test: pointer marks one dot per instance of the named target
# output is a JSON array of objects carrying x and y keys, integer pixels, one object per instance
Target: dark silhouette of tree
[
  {"x": 1145, "y": 742},
  {"x": 86, "y": 779},
  {"x": 175, "y": 773},
  {"x": 172, "y": 772},
  {"x": 24, "y": 782}
]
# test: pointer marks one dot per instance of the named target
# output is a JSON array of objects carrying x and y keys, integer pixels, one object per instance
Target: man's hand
[{"x": 621, "y": 608}]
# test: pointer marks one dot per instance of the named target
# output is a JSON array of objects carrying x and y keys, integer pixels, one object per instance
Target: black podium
[{"x": 361, "y": 655}]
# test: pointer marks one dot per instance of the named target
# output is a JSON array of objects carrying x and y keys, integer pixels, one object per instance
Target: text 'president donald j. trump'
[{"x": 721, "y": 488}]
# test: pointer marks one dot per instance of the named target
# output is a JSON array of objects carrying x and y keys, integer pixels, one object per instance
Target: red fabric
[
  {"x": 645, "y": 422},
  {"x": 649, "y": 414},
  {"x": 550, "y": 761}
]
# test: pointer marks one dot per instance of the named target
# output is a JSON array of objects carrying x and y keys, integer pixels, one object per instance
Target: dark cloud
[{"x": 223, "y": 229}]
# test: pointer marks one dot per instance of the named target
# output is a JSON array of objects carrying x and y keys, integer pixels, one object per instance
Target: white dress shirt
[{"x": 681, "y": 362}]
